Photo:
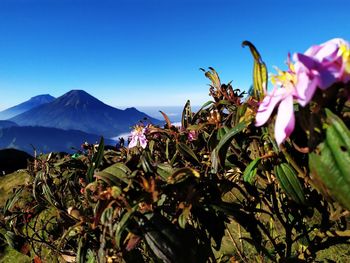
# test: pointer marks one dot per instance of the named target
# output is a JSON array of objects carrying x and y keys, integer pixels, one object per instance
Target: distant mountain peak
[
  {"x": 26, "y": 106},
  {"x": 131, "y": 109},
  {"x": 78, "y": 97},
  {"x": 77, "y": 92},
  {"x": 43, "y": 96}
]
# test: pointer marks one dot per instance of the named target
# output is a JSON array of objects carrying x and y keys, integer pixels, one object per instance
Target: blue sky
[{"x": 134, "y": 52}]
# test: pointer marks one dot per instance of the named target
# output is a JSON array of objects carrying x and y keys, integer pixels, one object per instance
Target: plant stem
[{"x": 235, "y": 245}]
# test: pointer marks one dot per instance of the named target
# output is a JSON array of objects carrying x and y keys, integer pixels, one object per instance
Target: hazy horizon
[{"x": 139, "y": 107}]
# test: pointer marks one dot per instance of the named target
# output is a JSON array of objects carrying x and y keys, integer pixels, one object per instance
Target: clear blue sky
[{"x": 134, "y": 52}]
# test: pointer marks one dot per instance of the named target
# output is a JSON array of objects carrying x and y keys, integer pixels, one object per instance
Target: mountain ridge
[{"x": 78, "y": 110}]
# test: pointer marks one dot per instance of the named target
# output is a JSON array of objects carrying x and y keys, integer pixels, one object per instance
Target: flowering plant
[
  {"x": 320, "y": 67},
  {"x": 138, "y": 136},
  {"x": 216, "y": 189}
]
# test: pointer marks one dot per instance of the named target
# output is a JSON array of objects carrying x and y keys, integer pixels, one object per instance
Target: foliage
[
  {"x": 10, "y": 181},
  {"x": 175, "y": 199}
]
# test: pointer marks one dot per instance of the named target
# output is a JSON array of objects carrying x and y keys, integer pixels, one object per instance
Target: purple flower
[{"x": 138, "y": 135}]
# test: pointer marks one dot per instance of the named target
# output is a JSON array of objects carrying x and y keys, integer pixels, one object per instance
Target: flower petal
[
  {"x": 306, "y": 61},
  {"x": 328, "y": 51},
  {"x": 311, "y": 74},
  {"x": 312, "y": 50},
  {"x": 267, "y": 105},
  {"x": 133, "y": 142},
  {"x": 305, "y": 88},
  {"x": 143, "y": 141},
  {"x": 328, "y": 77},
  {"x": 285, "y": 120}
]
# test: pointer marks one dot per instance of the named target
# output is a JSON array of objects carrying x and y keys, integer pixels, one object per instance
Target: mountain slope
[
  {"x": 45, "y": 139},
  {"x": 79, "y": 110},
  {"x": 25, "y": 106},
  {"x": 7, "y": 124}
]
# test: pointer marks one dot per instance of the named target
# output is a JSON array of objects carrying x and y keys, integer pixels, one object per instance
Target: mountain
[
  {"x": 78, "y": 110},
  {"x": 7, "y": 124},
  {"x": 45, "y": 139},
  {"x": 25, "y": 106}
]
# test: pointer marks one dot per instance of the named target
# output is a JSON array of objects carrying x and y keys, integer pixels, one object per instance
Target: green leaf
[
  {"x": 340, "y": 151},
  {"x": 145, "y": 161},
  {"x": 338, "y": 139},
  {"x": 91, "y": 258},
  {"x": 183, "y": 218},
  {"x": 108, "y": 178},
  {"x": 294, "y": 182},
  {"x": 195, "y": 117},
  {"x": 96, "y": 161},
  {"x": 224, "y": 143},
  {"x": 251, "y": 170},
  {"x": 49, "y": 196},
  {"x": 221, "y": 133},
  {"x": 12, "y": 200},
  {"x": 82, "y": 250},
  {"x": 224, "y": 102},
  {"x": 259, "y": 72},
  {"x": 213, "y": 76},
  {"x": 187, "y": 152},
  {"x": 107, "y": 215},
  {"x": 182, "y": 174},
  {"x": 123, "y": 223},
  {"x": 168, "y": 242},
  {"x": 115, "y": 174},
  {"x": 323, "y": 167},
  {"x": 164, "y": 170},
  {"x": 340, "y": 126},
  {"x": 186, "y": 115},
  {"x": 330, "y": 162},
  {"x": 10, "y": 239},
  {"x": 289, "y": 182}
]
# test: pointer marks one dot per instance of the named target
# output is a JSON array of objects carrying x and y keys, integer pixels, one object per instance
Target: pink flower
[
  {"x": 138, "y": 135},
  {"x": 310, "y": 75},
  {"x": 285, "y": 120},
  {"x": 321, "y": 66},
  {"x": 334, "y": 56},
  {"x": 192, "y": 136},
  {"x": 283, "y": 97}
]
